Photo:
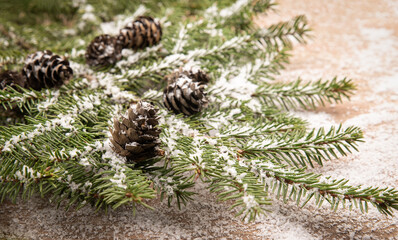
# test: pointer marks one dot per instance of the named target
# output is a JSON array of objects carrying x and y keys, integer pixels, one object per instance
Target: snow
[
  {"x": 230, "y": 171},
  {"x": 391, "y": 85},
  {"x": 182, "y": 39},
  {"x": 133, "y": 57},
  {"x": 233, "y": 9},
  {"x": 26, "y": 174},
  {"x": 119, "y": 179},
  {"x": 235, "y": 82},
  {"x": 77, "y": 3},
  {"x": 64, "y": 120},
  {"x": 132, "y": 144},
  {"x": 225, "y": 13},
  {"x": 213, "y": 31},
  {"x": 89, "y": 17},
  {"x": 250, "y": 201},
  {"x": 52, "y": 98},
  {"x": 178, "y": 59},
  {"x": 113, "y": 28}
]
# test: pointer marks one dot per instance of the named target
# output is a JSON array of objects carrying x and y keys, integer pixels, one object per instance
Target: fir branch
[
  {"x": 230, "y": 178},
  {"x": 178, "y": 59},
  {"x": 300, "y": 148},
  {"x": 10, "y": 97},
  {"x": 18, "y": 134},
  {"x": 238, "y": 14},
  {"x": 14, "y": 38},
  {"x": 251, "y": 200},
  {"x": 234, "y": 111},
  {"x": 61, "y": 174},
  {"x": 171, "y": 184},
  {"x": 296, "y": 184},
  {"x": 236, "y": 146},
  {"x": 129, "y": 186},
  {"x": 308, "y": 95},
  {"x": 134, "y": 57},
  {"x": 279, "y": 36},
  {"x": 11, "y": 57},
  {"x": 240, "y": 82},
  {"x": 255, "y": 129}
]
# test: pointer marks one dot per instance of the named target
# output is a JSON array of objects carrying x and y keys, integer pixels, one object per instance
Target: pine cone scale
[
  {"x": 183, "y": 102},
  {"x": 153, "y": 33},
  {"x": 127, "y": 123},
  {"x": 148, "y": 145},
  {"x": 141, "y": 41},
  {"x": 152, "y": 121},
  {"x": 174, "y": 103},
  {"x": 134, "y": 149},
  {"x": 119, "y": 150},
  {"x": 133, "y": 135},
  {"x": 116, "y": 138},
  {"x": 131, "y": 114},
  {"x": 187, "y": 111}
]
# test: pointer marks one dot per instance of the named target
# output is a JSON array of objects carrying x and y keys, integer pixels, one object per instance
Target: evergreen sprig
[
  {"x": 282, "y": 34},
  {"x": 244, "y": 147},
  {"x": 296, "y": 94},
  {"x": 301, "y": 148}
]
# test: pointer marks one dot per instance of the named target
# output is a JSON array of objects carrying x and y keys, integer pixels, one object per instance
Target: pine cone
[
  {"x": 137, "y": 137},
  {"x": 43, "y": 69},
  {"x": 140, "y": 33},
  {"x": 103, "y": 51},
  {"x": 11, "y": 79},
  {"x": 185, "y": 92}
]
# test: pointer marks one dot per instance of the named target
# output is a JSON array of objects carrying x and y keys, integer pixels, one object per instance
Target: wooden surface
[{"x": 355, "y": 38}]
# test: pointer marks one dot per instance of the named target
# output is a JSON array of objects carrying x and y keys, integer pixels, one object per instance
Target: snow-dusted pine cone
[
  {"x": 136, "y": 136},
  {"x": 103, "y": 51},
  {"x": 185, "y": 92},
  {"x": 142, "y": 32},
  {"x": 11, "y": 79},
  {"x": 44, "y": 69}
]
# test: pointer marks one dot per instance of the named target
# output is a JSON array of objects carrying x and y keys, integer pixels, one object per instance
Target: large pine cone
[
  {"x": 11, "y": 79},
  {"x": 137, "y": 137},
  {"x": 140, "y": 33},
  {"x": 44, "y": 69},
  {"x": 185, "y": 92},
  {"x": 103, "y": 51}
]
